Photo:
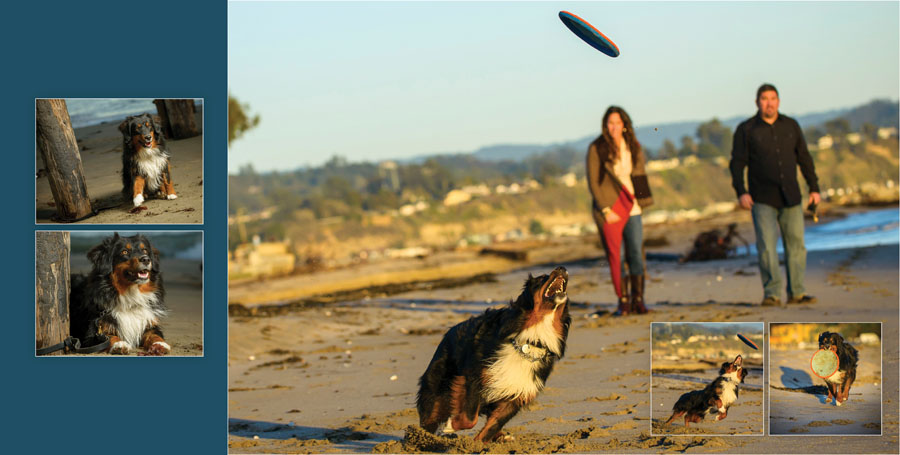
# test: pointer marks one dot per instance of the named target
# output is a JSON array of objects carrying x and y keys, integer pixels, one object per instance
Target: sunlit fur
[
  {"x": 715, "y": 398},
  {"x": 839, "y": 383},
  {"x": 477, "y": 369},
  {"x": 123, "y": 297}
]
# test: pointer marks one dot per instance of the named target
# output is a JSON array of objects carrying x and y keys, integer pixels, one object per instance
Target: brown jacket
[{"x": 604, "y": 184}]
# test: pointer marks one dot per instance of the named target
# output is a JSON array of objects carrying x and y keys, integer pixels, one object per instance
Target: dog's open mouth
[{"x": 557, "y": 285}]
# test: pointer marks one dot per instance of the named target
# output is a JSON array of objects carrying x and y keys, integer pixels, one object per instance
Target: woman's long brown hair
[{"x": 613, "y": 149}]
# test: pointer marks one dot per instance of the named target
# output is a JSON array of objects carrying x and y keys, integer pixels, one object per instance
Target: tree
[
  {"x": 837, "y": 128},
  {"x": 667, "y": 151},
  {"x": 688, "y": 146},
  {"x": 239, "y": 119},
  {"x": 715, "y": 139}
]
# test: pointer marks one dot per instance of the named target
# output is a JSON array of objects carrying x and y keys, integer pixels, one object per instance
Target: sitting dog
[
  {"x": 716, "y": 398},
  {"x": 839, "y": 383},
  {"x": 145, "y": 160},
  {"x": 496, "y": 363},
  {"x": 122, "y": 297}
]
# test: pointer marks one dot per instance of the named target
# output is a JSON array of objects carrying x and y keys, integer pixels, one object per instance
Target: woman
[{"x": 618, "y": 184}]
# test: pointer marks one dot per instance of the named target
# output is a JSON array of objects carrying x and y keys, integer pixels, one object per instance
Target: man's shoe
[
  {"x": 771, "y": 301},
  {"x": 802, "y": 299}
]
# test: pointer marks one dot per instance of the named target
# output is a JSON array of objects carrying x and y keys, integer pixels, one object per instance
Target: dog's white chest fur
[
  {"x": 512, "y": 376},
  {"x": 729, "y": 392},
  {"x": 837, "y": 378},
  {"x": 152, "y": 163},
  {"x": 134, "y": 312}
]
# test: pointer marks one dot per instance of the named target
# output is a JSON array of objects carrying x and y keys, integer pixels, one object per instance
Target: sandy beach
[
  {"x": 797, "y": 398},
  {"x": 341, "y": 377},
  {"x": 183, "y": 327},
  {"x": 101, "y": 156}
]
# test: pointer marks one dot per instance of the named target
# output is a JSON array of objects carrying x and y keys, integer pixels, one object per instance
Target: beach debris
[
  {"x": 412, "y": 305},
  {"x": 394, "y": 377},
  {"x": 712, "y": 245},
  {"x": 251, "y": 357},
  {"x": 404, "y": 330},
  {"x": 718, "y": 277},
  {"x": 256, "y": 436},
  {"x": 349, "y": 341},
  {"x": 348, "y": 352},
  {"x": 328, "y": 313}
]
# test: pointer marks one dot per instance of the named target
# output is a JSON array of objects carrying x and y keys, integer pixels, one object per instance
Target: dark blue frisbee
[
  {"x": 748, "y": 342},
  {"x": 589, "y": 34}
]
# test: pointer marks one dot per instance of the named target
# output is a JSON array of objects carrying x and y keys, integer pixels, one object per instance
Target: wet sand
[
  {"x": 342, "y": 377},
  {"x": 183, "y": 327},
  {"x": 801, "y": 409},
  {"x": 101, "y": 156}
]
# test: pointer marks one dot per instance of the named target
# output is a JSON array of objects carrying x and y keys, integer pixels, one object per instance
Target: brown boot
[
  {"x": 637, "y": 294},
  {"x": 624, "y": 305}
]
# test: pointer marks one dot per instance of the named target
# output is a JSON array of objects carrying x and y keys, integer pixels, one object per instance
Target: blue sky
[{"x": 379, "y": 80}]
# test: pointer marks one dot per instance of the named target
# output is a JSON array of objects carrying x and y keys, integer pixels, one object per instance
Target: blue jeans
[
  {"x": 767, "y": 221},
  {"x": 632, "y": 243}
]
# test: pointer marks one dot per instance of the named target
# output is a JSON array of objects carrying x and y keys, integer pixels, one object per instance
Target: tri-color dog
[
  {"x": 715, "y": 399},
  {"x": 839, "y": 383},
  {"x": 122, "y": 297},
  {"x": 145, "y": 160},
  {"x": 496, "y": 363}
]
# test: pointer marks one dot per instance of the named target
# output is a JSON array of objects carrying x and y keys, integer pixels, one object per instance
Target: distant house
[
  {"x": 825, "y": 142},
  {"x": 261, "y": 259},
  {"x": 885, "y": 133},
  {"x": 456, "y": 197},
  {"x": 854, "y": 138}
]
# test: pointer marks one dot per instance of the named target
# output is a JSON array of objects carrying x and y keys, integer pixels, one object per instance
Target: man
[{"x": 772, "y": 145}]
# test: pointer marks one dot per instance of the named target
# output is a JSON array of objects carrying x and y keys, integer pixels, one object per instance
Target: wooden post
[
  {"x": 177, "y": 118},
  {"x": 51, "y": 278},
  {"x": 59, "y": 149}
]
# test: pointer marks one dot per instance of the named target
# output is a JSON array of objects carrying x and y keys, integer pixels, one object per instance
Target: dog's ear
[
  {"x": 743, "y": 374},
  {"x": 724, "y": 368},
  {"x": 101, "y": 255},
  {"x": 125, "y": 126},
  {"x": 154, "y": 256},
  {"x": 157, "y": 128}
]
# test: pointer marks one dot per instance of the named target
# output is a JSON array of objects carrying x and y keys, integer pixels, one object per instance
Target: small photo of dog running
[
  {"x": 825, "y": 378},
  {"x": 707, "y": 378},
  {"x": 117, "y": 293},
  {"x": 119, "y": 161}
]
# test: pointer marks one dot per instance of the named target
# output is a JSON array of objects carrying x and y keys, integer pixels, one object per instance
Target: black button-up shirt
[{"x": 772, "y": 153}]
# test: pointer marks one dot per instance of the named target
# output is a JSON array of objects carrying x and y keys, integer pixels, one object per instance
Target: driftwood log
[
  {"x": 52, "y": 276},
  {"x": 177, "y": 118},
  {"x": 59, "y": 150}
]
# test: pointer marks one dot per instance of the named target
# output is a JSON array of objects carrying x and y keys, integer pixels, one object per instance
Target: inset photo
[
  {"x": 707, "y": 378},
  {"x": 119, "y": 161},
  {"x": 120, "y": 293},
  {"x": 825, "y": 378}
]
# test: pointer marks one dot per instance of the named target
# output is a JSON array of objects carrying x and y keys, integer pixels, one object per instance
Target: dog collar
[{"x": 531, "y": 352}]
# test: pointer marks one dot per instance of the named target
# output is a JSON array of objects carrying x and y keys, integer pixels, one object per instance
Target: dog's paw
[
  {"x": 828, "y": 400},
  {"x": 159, "y": 348},
  {"x": 172, "y": 196},
  {"x": 837, "y": 402},
  {"x": 138, "y": 200},
  {"x": 119, "y": 348}
]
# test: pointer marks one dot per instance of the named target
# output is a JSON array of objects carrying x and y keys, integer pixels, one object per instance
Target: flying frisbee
[
  {"x": 589, "y": 34},
  {"x": 824, "y": 363},
  {"x": 748, "y": 342}
]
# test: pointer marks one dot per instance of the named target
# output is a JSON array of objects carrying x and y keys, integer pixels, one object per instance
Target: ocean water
[
  {"x": 863, "y": 229},
  {"x": 94, "y": 111}
]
